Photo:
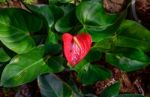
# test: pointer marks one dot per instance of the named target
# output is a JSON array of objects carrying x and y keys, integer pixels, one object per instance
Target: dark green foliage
[{"x": 123, "y": 43}]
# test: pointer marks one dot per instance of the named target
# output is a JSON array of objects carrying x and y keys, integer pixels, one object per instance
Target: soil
[
  {"x": 143, "y": 12},
  {"x": 27, "y": 90},
  {"x": 114, "y": 5}
]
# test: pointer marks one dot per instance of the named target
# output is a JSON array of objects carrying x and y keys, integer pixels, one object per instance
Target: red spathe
[{"x": 76, "y": 47}]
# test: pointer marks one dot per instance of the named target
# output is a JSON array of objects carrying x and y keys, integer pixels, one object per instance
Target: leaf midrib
[
  {"x": 52, "y": 88},
  {"x": 19, "y": 73},
  {"x": 13, "y": 27}
]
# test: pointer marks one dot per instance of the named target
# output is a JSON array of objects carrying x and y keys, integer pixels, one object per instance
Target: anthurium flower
[{"x": 76, "y": 47}]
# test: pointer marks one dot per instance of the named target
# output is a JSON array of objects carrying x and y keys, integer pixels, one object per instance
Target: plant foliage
[{"x": 32, "y": 47}]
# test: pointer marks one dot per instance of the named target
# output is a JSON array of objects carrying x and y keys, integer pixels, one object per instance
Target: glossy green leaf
[
  {"x": 104, "y": 45},
  {"x": 50, "y": 13},
  {"x": 45, "y": 11},
  {"x": 67, "y": 8},
  {"x": 128, "y": 35},
  {"x": 97, "y": 15},
  {"x": 66, "y": 23},
  {"x": 98, "y": 22},
  {"x": 84, "y": 69},
  {"x": 128, "y": 59},
  {"x": 4, "y": 56},
  {"x": 51, "y": 44},
  {"x": 15, "y": 25},
  {"x": 134, "y": 35},
  {"x": 56, "y": 64},
  {"x": 111, "y": 91},
  {"x": 24, "y": 68},
  {"x": 130, "y": 95},
  {"x": 57, "y": 12},
  {"x": 52, "y": 38},
  {"x": 51, "y": 86}
]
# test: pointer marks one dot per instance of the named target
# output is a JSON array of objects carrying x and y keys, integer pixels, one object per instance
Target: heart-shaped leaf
[
  {"x": 76, "y": 47},
  {"x": 111, "y": 91},
  {"x": 129, "y": 35},
  {"x": 97, "y": 15},
  {"x": 24, "y": 68},
  {"x": 51, "y": 86},
  {"x": 15, "y": 25},
  {"x": 84, "y": 69},
  {"x": 98, "y": 22},
  {"x": 128, "y": 59}
]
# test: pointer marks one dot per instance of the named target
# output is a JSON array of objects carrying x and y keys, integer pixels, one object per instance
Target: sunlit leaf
[
  {"x": 15, "y": 25},
  {"x": 24, "y": 68}
]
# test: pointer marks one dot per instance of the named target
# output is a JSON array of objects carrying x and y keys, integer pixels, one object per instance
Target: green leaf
[
  {"x": 104, "y": 45},
  {"x": 4, "y": 56},
  {"x": 97, "y": 15},
  {"x": 50, "y": 13},
  {"x": 56, "y": 63},
  {"x": 57, "y": 12},
  {"x": 93, "y": 55},
  {"x": 111, "y": 91},
  {"x": 67, "y": 8},
  {"x": 127, "y": 59},
  {"x": 51, "y": 45},
  {"x": 98, "y": 22},
  {"x": 52, "y": 49},
  {"x": 2, "y": 1},
  {"x": 15, "y": 25},
  {"x": 66, "y": 23},
  {"x": 51, "y": 86},
  {"x": 24, "y": 68},
  {"x": 45, "y": 11},
  {"x": 30, "y": 1},
  {"x": 84, "y": 69},
  {"x": 59, "y": 1},
  {"x": 129, "y": 95},
  {"x": 52, "y": 38},
  {"x": 129, "y": 35}
]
